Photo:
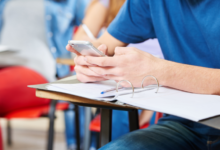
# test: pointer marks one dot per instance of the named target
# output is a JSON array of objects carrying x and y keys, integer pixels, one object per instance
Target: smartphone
[{"x": 85, "y": 48}]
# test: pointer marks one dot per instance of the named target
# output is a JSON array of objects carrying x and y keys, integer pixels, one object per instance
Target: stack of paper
[{"x": 194, "y": 107}]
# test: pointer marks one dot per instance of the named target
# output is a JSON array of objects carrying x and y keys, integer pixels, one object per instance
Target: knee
[{"x": 134, "y": 140}]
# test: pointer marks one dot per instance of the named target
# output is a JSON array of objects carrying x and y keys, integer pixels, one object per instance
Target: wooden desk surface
[
  {"x": 80, "y": 100},
  {"x": 65, "y": 61}
]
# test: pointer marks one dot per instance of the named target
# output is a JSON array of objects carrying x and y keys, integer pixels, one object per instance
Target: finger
[
  {"x": 80, "y": 60},
  {"x": 86, "y": 71},
  {"x": 84, "y": 78},
  {"x": 71, "y": 49},
  {"x": 102, "y": 61},
  {"x": 103, "y": 48},
  {"x": 112, "y": 77},
  {"x": 107, "y": 70}
]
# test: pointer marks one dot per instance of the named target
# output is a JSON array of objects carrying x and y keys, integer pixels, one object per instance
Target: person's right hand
[{"x": 83, "y": 73}]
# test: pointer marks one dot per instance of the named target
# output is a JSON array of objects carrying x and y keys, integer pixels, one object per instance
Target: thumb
[
  {"x": 103, "y": 48},
  {"x": 69, "y": 48}
]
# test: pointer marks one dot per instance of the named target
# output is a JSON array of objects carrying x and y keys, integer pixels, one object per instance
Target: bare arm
[
  {"x": 180, "y": 76},
  {"x": 191, "y": 78},
  {"x": 123, "y": 66},
  {"x": 94, "y": 20}
]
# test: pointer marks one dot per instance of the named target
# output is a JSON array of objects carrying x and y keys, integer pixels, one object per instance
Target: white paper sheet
[
  {"x": 93, "y": 90},
  {"x": 191, "y": 106},
  {"x": 194, "y": 107},
  {"x": 87, "y": 90}
]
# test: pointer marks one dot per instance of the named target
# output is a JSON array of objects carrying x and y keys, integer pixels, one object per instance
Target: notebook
[
  {"x": 195, "y": 107},
  {"x": 94, "y": 90}
]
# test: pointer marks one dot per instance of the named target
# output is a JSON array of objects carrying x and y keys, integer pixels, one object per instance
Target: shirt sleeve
[{"x": 133, "y": 24}]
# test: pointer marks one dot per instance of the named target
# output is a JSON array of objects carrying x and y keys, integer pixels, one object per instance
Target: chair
[
  {"x": 30, "y": 107},
  {"x": 36, "y": 112},
  {"x": 1, "y": 142}
]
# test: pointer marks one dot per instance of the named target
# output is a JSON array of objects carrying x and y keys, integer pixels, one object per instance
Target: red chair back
[{"x": 34, "y": 112}]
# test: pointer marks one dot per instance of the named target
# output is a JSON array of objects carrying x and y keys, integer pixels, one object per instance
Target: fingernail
[{"x": 85, "y": 58}]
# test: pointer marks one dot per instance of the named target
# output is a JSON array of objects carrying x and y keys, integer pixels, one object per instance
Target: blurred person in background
[
  {"x": 99, "y": 15},
  {"x": 38, "y": 31}
]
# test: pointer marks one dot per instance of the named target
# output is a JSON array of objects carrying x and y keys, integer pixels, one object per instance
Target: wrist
[{"x": 167, "y": 72}]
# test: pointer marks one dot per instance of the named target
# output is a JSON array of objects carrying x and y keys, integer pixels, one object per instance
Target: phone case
[{"x": 85, "y": 48}]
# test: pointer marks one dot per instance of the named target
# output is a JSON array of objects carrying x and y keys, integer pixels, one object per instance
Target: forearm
[
  {"x": 191, "y": 78},
  {"x": 80, "y": 34},
  {"x": 95, "y": 12}
]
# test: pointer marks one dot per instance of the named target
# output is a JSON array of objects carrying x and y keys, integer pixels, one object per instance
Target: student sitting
[
  {"x": 99, "y": 15},
  {"x": 188, "y": 32}
]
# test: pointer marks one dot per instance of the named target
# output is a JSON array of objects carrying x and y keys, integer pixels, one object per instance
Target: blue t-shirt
[{"x": 188, "y": 32}]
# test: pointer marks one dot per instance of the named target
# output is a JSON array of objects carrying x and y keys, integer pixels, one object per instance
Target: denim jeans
[
  {"x": 120, "y": 125},
  {"x": 167, "y": 135},
  {"x": 70, "y": 125}
]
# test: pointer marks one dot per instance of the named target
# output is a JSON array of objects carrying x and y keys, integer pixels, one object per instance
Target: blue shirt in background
[
  {"x": 60, "y": 20},
  {"x": 188, "y": 32}
]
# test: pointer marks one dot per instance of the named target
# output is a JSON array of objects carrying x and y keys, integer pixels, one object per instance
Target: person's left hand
[{"x": 127, "y": 64}]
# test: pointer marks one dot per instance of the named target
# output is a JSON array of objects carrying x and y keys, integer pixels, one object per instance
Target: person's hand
[
  {"x": 127, "y": 64},
  {"x": 83, "y": 72}
]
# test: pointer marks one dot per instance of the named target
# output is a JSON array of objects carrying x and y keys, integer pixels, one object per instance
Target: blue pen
[{"x": 103, "y": 92}]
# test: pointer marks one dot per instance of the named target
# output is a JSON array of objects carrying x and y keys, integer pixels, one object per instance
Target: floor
[
  {"x": 32, "y": 140},
  {"x": 31, "y": 134}
]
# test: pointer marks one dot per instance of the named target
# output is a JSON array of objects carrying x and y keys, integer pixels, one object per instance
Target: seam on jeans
[
  {"x": 170, "y": 126},
  {"x": 209, "y": 143},
  {"x": 212, "y": 142}
]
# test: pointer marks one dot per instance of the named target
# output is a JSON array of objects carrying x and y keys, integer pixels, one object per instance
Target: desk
[
  {"x": 106, "y": 111},
  {"x": 65, "y": 61}
]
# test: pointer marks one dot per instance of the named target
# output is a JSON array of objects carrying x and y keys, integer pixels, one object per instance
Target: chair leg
[
  {"x": 133, "y": 120},
  {"x": 106, "y": 126},
  {"x": 1, "y": 142},
  {"x": 9, "y": 133},
  {"x": 87, "y": 133},
  {"x": 97, "y": 139},
  {"x": 76, "y": 109},
  {"x": 51, "y": 116}
]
